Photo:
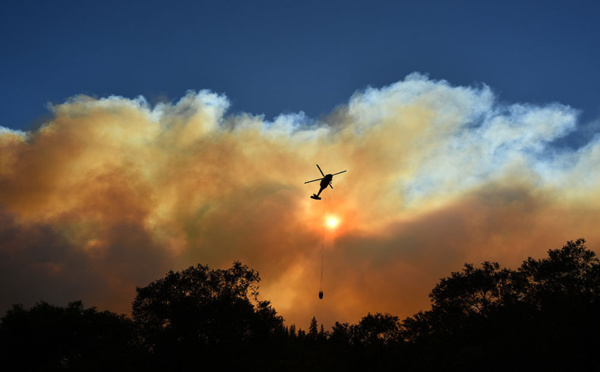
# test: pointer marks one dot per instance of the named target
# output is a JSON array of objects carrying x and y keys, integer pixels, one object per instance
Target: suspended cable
[{"x": 322, "y": 252}]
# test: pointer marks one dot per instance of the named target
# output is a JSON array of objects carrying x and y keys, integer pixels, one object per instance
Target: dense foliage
[
  {"x": 545, "y": 315},
  {"x": 206, "y": 317},
  {"x": 71, "y": 338}
]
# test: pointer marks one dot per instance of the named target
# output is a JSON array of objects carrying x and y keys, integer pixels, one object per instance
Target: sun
[{"x": 332, "y": 222}]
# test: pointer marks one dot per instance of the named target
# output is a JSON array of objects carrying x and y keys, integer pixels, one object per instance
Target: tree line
[{"x": 545, "y": 315}]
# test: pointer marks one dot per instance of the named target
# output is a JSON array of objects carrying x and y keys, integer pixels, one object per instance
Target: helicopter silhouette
[{"x": 325, "y": 181}]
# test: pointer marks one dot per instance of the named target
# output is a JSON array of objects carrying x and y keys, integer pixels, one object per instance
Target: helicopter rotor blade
[
  {"x": 330, "y": 185},
  {"x": 320, "y": 170},
  {"x": 318, "y": 179},
  {"x": 338, "y": 173}
]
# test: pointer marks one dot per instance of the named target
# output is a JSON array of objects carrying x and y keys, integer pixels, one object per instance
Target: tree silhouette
[
  {"x": 562, "y": 294},
  {"x": 377, "y": 329},
  {"x": 52, "y": 338},
  {"x": 568, "y": 275},
  {"x": 190, "y": 315},
  {"x": 342, "y": 334},
  {"x": 313, "y": 329},
  {"x": 544, "y": 315},
  {"x": 474, "y": 291}
]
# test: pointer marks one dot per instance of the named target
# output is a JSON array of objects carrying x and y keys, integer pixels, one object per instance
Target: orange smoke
[{"x": 112, "y": 193}]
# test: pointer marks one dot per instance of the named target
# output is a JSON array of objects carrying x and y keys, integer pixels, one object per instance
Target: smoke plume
[{"x": 112, "y": 193}]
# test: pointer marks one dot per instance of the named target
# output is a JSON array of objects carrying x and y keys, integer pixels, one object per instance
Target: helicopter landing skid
[{"x": 314, "y": 196}]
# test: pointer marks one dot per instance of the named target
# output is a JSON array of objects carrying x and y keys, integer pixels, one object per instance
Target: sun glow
[{"x": 332, "y": 222}]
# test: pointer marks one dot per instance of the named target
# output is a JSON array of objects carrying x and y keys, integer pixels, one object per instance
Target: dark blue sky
[{"x": 272, "y": 57}]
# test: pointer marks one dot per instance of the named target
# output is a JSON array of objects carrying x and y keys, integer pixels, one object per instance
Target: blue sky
[{"x": 272, "y": 57}]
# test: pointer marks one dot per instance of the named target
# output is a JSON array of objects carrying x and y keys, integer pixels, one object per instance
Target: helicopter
[{"x": 325, "y": 181}]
